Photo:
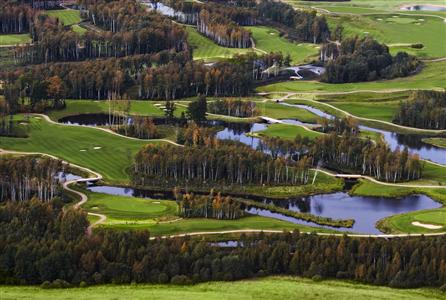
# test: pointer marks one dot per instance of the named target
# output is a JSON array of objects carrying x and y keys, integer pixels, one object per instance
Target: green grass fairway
[
  {"x": 431, "y": 77},
  {"x": 206, "y": 49},
  {"x": 78, "y": 29},
  {"x": 288, "y": 132},
  {"x": 65, "y": 142},
  {"x": 76, "y": 107},
  {"x": 399, "y": 29},
  {"x": 277, "y": 111},
  {"x": 439, "y": 142},
  {"x": 269, "y": 40},
  {"x": 269, "y": 288},
  {"x": 122, "y": 208},
  {"x": 66, "y": 16},
  {"x": 14, "y": 39},
  {"x": 403, "y": 223}
]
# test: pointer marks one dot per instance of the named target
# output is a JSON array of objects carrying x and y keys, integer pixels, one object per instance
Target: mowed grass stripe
[{"x": 65, "y": 142}]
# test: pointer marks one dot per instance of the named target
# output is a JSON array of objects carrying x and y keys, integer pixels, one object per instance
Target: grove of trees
[
  {"x": 364, "y": 59},
  {"x": 423, "y": 109},
  {"x": 47, "y": 245},
  {"x": 234, "y": 107}
]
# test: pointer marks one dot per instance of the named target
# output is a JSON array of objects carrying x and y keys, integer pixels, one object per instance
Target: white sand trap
[
  {"x": 417, "y": 23},
  {"x": 23, "y": 123},
  {"x": 157, "y": 104},
  {"x": 379, "y": 19},
  {"x": 95, "y": 207},
  {"x": 427, "y": 226},
  {"x": 38, "y": 118},
  {"x": 394, "y": 16},
  {"x": 420, "y": 19},
  {"x": 156, "y": 202},
  {"x": 272, "y": 33},
  {"x": 97, "y": 148},
  {"x": 366, "y": 32},
  {"x": 82, "y": 150}
]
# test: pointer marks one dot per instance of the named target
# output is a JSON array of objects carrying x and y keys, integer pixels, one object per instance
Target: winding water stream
[{"x": 413, "y": 142}]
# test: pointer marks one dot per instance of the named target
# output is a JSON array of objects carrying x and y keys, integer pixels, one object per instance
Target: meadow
[
  {"x": 288, "y": 132},
  {"x": 268, "y": 288}
]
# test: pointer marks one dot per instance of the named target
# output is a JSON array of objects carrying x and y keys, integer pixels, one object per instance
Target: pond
[
  {"x": 424, "y": 7},
  {"x": 413, "y": 142},
  {"x": 366, "y": 211}
]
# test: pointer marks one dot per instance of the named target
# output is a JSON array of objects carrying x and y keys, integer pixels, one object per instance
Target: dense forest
[
  {"x": 46, "y": 245},
  {"x": 364, "y": 59},
  {"x": 424, "y": 109},
  {"x": 15, "y": 18},
  {"x": 226, "y": 163},
  {"x": 24, "y": 178},
  {"x": 127, "y": 29},
  {"x": 212, "y": 206},
  {"x": 234, "y": 108}
]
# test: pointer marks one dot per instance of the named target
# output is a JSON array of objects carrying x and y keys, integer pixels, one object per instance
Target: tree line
[
  {"x": 212, "y": 206},
  {"x": 47, "y": 245},
  {"x": 127, "y": 30},
  {"x": 24, "y": 178},
  {"x": 423, "y": 109},
  {"x": 15, "y": 18},
  {"x": 364, "y": 59},
  {"x": 225, "y": 163},
  {"x": 234, "y": 108}
]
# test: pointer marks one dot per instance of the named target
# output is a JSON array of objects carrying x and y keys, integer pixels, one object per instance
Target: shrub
[{"x": 180, "y": 280}]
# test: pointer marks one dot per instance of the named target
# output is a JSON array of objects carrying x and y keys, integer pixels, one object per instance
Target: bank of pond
[{"x": 365, "y": 211}]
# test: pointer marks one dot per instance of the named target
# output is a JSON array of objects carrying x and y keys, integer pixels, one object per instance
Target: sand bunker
[
  {"x": 23, "y": 123},
  {"x": 427, "y": 226},
  {"x": 156, "y": 202},
  {"x": 97, "y": 148},
  {"x": 82, "y": 150}
]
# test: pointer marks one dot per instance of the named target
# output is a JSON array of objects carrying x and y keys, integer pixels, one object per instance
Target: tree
[
  {"x": 169, "y": 111},
  {"x": 196, "y": 110},
  {"x": 56, "y": 91}
]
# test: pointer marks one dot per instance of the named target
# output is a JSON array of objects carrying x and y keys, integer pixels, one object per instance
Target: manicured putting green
[
  {"x": 269, "y": 288},
  {"x": 129, "y": 208},
  {"x": 405, "y": 223}
]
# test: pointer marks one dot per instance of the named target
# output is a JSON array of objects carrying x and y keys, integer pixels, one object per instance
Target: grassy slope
[
  {"x": 14, "y": 39},
  {"x": 269, "y": 288},
  {"x": 206, "y": 49},
  {"x": 399, "y": 29},
  {"x": 142, "y": 108},
  {"x": 277, "y": 111},
  {"x": 111, "y": 160},
  {"x": 403, "y": 223},
  {"x": 439, "y": 142},
  {"x": 268, "y": 39},
  {"x": 288, "y": 132},
  {"x": 66, "y": 16},
  {"x": 431, "y": 77}
]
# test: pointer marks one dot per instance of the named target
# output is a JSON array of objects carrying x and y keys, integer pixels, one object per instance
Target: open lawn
[
  {"x": 398, "y": 29},
  {"x": 439, "y": 142},
  {"x": 269, "y": 288},
  {"x": 288, "y": 132},
  {"x": 66, "y": 16},
  {"x": 206, "y": 49},
  {"x": 122, "y": 208},
  {"x": 111, "y": 160},
  {"x": 269, "y": 40},
  {"x": 403, "y": 223},
  {"x": 14, "y": 39},
  {"x": 79, "y": 29},
  {"x": 138, "y": 107},
  {"x": 277, "y": 111},
  {"x": 431, "y": 77}
]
